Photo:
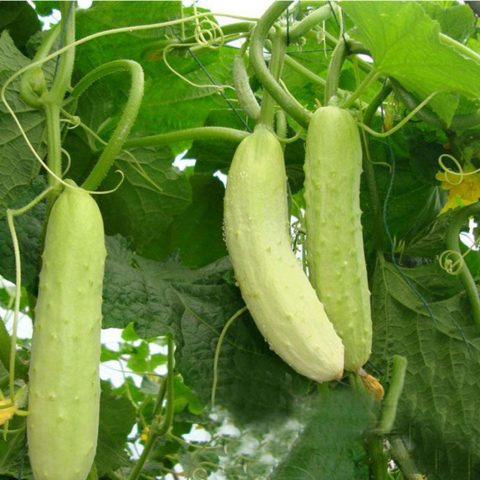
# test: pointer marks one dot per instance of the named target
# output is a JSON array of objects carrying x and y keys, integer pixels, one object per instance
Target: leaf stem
[
  {"x": 425, "y": 114},
  {"x": 369, "y": 170},
  {"x": 257, "y": 41},
  {"x": 317, "y": 16},
  {"x": 54, "y": 98},
  {"x": 306, "y": 72},
  {"x": 459, "y": 47},
  {"x": 198, "y": 133},
  {"x": 129, "y": 115},
  {"x": 453, "y": 243},
  {"x": 367, "y": 81},
  {"x": 267, "y": 111},
  {"x": 224, "y": 331}
]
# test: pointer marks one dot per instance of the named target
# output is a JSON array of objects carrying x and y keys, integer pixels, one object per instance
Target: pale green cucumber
[
  {"x": 278, "y": 294},
  {"x": 64, "y": 388},
  {"x": 335, "y": 255}
]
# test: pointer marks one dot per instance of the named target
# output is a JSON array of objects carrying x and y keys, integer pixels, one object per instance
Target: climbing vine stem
[
  {"x": 453, "y": 243},
  {"x": 257, "y": 42},
  {"x": 267, "y": 111}
]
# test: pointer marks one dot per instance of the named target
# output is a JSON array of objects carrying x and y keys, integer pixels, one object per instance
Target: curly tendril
[
  {"x": 462, "y": 182},
  {"x": 451, "y": 261},
  {"x": 200, "y": 473},
  {"x": 460, "y": 173},
  {"x": 166, "y": 50}
]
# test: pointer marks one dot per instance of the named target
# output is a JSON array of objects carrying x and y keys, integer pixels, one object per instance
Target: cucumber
[
  {"x": 276, "y": 291},
  {"x": 64, "y": 386},
  {"x": 335, "y": 255}
]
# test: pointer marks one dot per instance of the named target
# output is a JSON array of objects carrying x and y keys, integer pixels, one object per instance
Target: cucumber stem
[
  {"x": 54, "y": 148},
  {"x": 334, "y": 70},
  {"x": 390, "y": 404},
  {"x": 377, "y": 458},
  {"x": 63, "y": 72},
  {"x": 404, "y": 460},
  {"x": 257, "y": 41}
]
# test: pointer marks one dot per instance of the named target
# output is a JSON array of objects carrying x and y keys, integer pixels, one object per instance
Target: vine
[{"x": 458, "y": 265}]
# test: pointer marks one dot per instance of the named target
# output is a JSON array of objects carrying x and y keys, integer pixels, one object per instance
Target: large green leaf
[
  {"x": 404, "y": 42},
  {"x": 438, "y": 411},
  {"x": 169, "y": 103}
]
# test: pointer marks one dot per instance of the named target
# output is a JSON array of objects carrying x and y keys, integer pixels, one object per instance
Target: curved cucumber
[
  {"x": 241, "y": 83},
  {"x": 64, "y": 389},
  {"x": 335, "y": 255},
  {"x": 278, "y": 294}
]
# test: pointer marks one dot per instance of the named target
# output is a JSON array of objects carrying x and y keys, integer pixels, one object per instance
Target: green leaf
[
  {"x": 21, "y": 21},
  {"x": 13, "y": 453},
  {"x": 456, "y": 21},
  {"x": 413, "y": 200},
  {"x": 29, "y": 228},
  {"x": 437, "y": 413},
  {"x": 331, "y": 444},
  {"x": 138, "y": 358},
  {"x": 184, "y": 397},
  {"x": 169, "y": 102},
  {"x": 198, "y": 232},
  {"x": 145, "y": 204},
  {"x": 17, "y": 163},
  {"x": 129, "y": 334},
  {"x": 405, "y": 45},
  {"x": 46, "y": 7},
  {"x": 108, "y": 355},
  {"x": 117, "y": 417}
]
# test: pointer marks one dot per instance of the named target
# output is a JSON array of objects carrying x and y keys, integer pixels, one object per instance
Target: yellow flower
[
  {"x": 144, "y": 434},
  {"x": 7, "y": 410},
  {"x": 462, "y": 190}
]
